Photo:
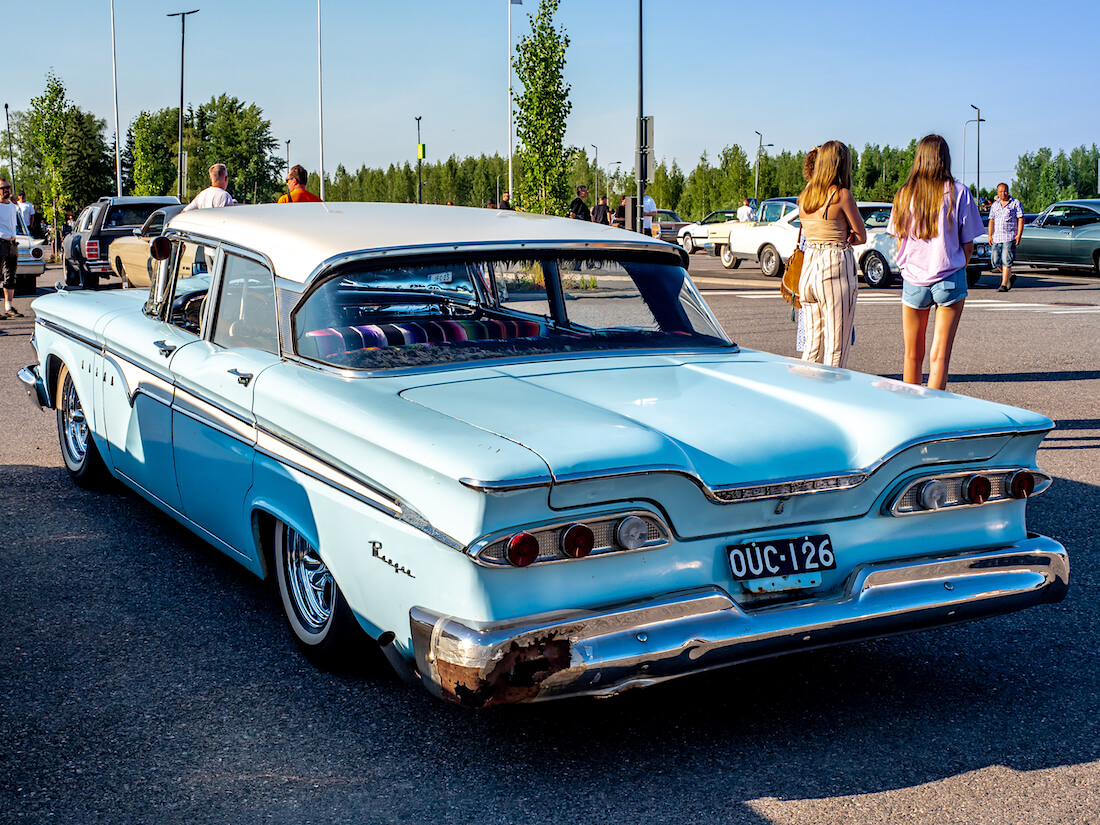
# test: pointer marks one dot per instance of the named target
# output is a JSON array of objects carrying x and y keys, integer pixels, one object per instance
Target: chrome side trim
[
  {"x": 606, "y": 650},
  {"x": 137, "y": 379},
  {"x": 72, "y": 336},
  {"x": 214, "y": 416},
  {"x": 750, "y": 491}
]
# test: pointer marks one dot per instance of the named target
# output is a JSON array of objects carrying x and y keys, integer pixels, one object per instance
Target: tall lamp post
[
  {"x": 972, "y": 120},
  {"x": 288, "y": 155},
  {"x": 11, "y": 157},
  {"x": 182, "y": 15},
  {"x": 597, "y": 164},
  {"x": 978, "y": 171},
  {"x": 419, "y": 153},
  {"x": 114, "y": 82},
  {"x": 759, "y": 148},
  {"x": 510, "y": 4}
]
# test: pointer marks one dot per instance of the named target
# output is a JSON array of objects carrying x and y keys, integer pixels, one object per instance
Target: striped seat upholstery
[{"x": 341, "y": 340}]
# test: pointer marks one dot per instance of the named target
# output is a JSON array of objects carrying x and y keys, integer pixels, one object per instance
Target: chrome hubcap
[
  {"x": 309, "y": 582},
  {"x": 75, "y": 425}
]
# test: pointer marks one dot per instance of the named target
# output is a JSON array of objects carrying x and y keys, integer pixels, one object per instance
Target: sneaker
[
  {"x": 13, "y": 313},
  {"x": 1002, "y": 288}
]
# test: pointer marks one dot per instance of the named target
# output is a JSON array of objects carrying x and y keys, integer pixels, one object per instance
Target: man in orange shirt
[{"x": 296, "y": 183}]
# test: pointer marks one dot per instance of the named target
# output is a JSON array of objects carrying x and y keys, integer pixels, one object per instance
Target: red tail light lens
[
  {"x": 1021, "y": 484},
  {"x": 523, "y": 548},
  {"x": 92, "y": 249},
  {"x": 977, "y": 489},
  {"x": 577, "y": 541},
  {"x": 36, "y": 252}
]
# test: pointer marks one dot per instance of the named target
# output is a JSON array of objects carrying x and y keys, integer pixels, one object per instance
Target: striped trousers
[{"x": 828, "y": 291}]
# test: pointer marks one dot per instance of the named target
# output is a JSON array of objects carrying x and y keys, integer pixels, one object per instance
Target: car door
[
  {"x": 1083, "y": 235},
  {"x": 213, "y": 425},
  {"x": 138, "y": 384},
  {"x": 1042, "y": 240}
]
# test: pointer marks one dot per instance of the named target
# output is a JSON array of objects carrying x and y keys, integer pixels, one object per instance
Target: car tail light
[
  {"x": 977, "y": 489},
  {"x": 523, "y": 548},
  {"x": 577, "y": 541},
  {"x": 631, "y": 533},
  {"x": 92, "y": 249},
  {"x": 1021, "y": 484},
  {"x": 36, "y": 252},
  {"x": 932, "y": 495}
]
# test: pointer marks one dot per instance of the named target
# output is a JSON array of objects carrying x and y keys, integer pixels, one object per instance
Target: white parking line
[{"x": 883, "y": 298}]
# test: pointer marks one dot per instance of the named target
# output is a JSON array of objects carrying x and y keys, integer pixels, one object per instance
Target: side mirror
[{"x": 160, "y": 248}]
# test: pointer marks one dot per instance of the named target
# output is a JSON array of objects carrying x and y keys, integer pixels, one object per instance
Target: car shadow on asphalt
[{"x": 136, "y": 632}]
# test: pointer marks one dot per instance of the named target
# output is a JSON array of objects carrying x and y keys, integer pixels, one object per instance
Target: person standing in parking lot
[
  {"x": 578, "y": 208},
  {"x": 602, "y": 213},
  {"x": 9, "y": 249},
  {"x": 744, "y": 211},
  {"x": 936, "y": 223},
  {"x": 296, "y": 187},
  {"x": 214, "y": 195},
  {"x": 1006, "y": 225}
]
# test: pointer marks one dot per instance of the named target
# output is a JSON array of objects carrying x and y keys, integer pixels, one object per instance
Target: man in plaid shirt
[{"x": 1006, "y": 224}]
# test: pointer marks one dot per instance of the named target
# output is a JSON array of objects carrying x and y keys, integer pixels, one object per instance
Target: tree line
[{"x": 64, "y": 157}]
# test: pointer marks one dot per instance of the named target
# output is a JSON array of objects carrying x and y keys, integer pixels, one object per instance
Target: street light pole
[
  {"x": 510, "y": 4},
  {"x": 597, "y": 163},
  {"x": 419, "y": 181},
  {"x": 182, "y": 15},
  {"x": 288, "y": 156},
  {"x": 759, "y": 148},
  {"x": 320, "y": 107},
  {"x": 972, "y": 120},
  {"x": 11, "y": 157},
  {"x": 114, "y": 82},
  {"x": 978, "y": 171}
]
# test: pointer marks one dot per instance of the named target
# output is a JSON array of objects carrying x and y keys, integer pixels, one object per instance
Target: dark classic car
[
  {"x": 85, "y": 248},
  {"x": 1066, "y": 234}
]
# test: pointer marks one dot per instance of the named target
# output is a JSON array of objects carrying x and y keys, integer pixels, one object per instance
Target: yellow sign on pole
[{"x": 420, "y": 151}]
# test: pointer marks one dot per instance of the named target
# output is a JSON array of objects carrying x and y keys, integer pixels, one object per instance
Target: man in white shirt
[
  {"x": 26, "y": 209},
  {"x": 214, "y": 195},
  {"x": 9, "y": 250},
  {"x": 744, "y": 211}
]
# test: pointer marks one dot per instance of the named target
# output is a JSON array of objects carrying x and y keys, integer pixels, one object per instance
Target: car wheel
[
  {"x": 26, "y": 284},
  {"x": 876, "y": 272},
  {"x": 319, "y": 617},
  {"x": 770, "y": 262},
  {"x": 728, "y": 260},
  {"x": 78, "y": 449},
  {"x": 973, "y": 276},
  {"x": 72, "y": 273},
  {"x": 688, "y": 243}
]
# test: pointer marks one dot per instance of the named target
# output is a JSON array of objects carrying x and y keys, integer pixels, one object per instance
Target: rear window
[{"x": 132, "y": 214}]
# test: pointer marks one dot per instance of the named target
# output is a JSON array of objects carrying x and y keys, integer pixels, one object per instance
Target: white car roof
[{"x": 298, "y": 237}]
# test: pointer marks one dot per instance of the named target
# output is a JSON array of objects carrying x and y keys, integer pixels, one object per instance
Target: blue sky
[{"x": 800, "y": 72}]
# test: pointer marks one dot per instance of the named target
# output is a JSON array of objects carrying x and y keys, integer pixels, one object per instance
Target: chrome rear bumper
[{"x": 605, "y": 651}]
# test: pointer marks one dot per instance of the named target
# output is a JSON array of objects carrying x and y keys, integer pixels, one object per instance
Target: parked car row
[
  {"x": 85, "y": 249},
  {"x": 498, "y": 444},
  {"x": 31, "y": 261}
]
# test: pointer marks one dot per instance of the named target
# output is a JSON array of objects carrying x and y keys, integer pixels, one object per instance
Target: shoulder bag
[{"x": 788, "y": 287}]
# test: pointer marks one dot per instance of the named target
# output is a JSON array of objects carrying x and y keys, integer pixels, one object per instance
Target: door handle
[
  {"x": 165, "y": 348},
  {"x": 242, "y": 377}
]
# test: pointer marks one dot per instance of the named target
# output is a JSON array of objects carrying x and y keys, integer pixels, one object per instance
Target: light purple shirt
[{"x": 924, "y": 262}]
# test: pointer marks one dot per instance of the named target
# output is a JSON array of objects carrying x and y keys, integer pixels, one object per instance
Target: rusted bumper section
[{"x": 606, "y": 651}]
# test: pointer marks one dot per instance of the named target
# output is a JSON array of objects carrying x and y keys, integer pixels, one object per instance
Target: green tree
[
  {"x": 47, "y": 122},
  {"x": 155, "y": 140},
  {"x": 226, "y": 130},
  {"x": 87, "y": 162},
  {"x": 541, "y": 113}
]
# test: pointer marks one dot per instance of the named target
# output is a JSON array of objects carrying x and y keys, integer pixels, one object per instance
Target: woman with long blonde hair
[
  {"x": 936, "y": 223},
  {"x": 831, "y": 223}
]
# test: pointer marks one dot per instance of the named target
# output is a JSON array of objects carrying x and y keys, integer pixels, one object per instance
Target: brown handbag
[{"x": 788, "y": 287}]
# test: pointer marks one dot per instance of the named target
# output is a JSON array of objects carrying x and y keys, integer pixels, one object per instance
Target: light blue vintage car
[{"x": 521, "y": 454}]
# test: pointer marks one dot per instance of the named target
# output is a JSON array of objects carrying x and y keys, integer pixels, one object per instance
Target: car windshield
[
  {"x": 875, "y": 217},
  {"x": 668, "y": 215},
  {"x": 483, "y": 308},
  {"x": 134, "y": 214}
]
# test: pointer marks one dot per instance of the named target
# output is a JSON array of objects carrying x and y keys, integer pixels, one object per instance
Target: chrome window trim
[{"x": 759, "y": 490}]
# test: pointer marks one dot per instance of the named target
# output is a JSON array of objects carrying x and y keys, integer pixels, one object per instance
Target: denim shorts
[
  {"x": 1002, "y": 254},
  {"x": 949, "y": 290}
]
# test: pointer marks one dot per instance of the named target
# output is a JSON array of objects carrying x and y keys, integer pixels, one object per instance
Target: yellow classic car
[{"x": 129, "y": 255}]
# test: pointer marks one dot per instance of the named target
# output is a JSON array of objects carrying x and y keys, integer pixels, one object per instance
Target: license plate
[{"x": 781, "y": 557}]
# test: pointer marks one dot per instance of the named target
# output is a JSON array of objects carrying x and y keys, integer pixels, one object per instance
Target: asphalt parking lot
[{"x": 147, "y": 678}]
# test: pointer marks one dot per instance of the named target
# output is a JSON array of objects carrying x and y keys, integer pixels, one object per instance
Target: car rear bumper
[{"x": 605, "y": 651}]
